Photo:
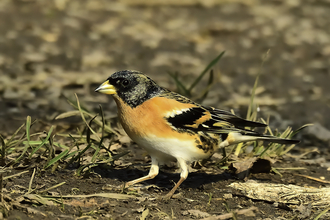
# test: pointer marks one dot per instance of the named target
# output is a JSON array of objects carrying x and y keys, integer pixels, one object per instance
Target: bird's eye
[{"x": 125, "y": 82}]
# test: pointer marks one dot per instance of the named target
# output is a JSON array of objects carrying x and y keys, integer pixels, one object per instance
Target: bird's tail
[
  {"x": 276, "y": 139},
  {"x": 235, "y": 138}
]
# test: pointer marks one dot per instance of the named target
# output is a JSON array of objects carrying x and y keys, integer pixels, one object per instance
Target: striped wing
[{"x": 208, "y": 119}]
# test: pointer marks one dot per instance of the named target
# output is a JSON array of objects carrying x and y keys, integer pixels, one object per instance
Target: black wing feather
[
  {"x": 220, "y": 121},
  {"x": 233, "y": 119}
]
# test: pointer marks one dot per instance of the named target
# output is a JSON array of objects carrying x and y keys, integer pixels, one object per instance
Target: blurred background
[{"x": 51, "y": 49}]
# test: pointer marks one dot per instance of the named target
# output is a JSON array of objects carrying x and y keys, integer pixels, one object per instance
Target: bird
[{"x": 172, "y": 127}]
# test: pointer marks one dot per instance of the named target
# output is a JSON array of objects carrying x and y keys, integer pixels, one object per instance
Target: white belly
[{"x": 165, "y": 149}]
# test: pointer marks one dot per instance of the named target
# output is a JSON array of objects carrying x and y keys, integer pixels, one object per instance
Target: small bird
[{"x": 172, "y": 127}]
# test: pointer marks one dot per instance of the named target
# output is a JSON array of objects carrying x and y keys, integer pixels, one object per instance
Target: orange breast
[{"x": 147, "y": 119}]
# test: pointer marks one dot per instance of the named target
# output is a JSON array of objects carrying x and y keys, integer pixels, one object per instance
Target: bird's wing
[{"x": 207, "y": 119}]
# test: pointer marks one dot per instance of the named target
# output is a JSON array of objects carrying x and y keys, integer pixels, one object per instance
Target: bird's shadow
[{"x": 165, "y": 179}]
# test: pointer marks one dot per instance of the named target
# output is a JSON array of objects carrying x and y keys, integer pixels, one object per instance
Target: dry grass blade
[
  {"x": 15, "y": 175},
  {"x": 68, "y": 114},
  {"x": 145, "y": 214},
  {"x": 291, "y": 168},
  {"x": 52, "y": 187},
  {"x": 267, "y": 129},
  {"x": 104, "y": 195},
  {"x": 185, "y": 2},
  {"x": 238, "y": 149},
  {"x": 314, "y": 178},
  {"x": 31, "y": 181},
  {"x": 34, "y": 198}
]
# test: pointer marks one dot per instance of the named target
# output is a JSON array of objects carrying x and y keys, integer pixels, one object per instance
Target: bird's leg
[
  {"x": 154, "y": 169},
  {"x": 183, "y": 176}
]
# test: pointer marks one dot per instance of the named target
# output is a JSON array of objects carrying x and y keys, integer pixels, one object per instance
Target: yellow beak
[{"x": 106, "y": 88}]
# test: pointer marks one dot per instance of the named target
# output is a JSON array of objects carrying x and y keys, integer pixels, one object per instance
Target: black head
[{"x": 132, "y": 87}]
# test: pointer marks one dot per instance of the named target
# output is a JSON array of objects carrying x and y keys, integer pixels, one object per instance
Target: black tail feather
[{"x": 278, "y": 140}]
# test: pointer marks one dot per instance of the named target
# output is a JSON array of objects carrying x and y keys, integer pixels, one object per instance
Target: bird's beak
[{"x": 106, "y": 88}]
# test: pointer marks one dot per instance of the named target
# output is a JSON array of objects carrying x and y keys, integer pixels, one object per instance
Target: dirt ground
[{"x": 50, "y": 50}]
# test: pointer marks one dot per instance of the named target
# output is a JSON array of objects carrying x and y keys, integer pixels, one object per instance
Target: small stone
[
  {"x": 228, "y": 196},
  {"x": 318, "y": 132}
]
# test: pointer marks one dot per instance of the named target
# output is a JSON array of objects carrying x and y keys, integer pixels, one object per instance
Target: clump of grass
[
  {"x": 93, "y": 139},
  {"x": 27, "y": 146},
  {"x": 261, "y": 150},
  {"x": 21, "y": 145}
]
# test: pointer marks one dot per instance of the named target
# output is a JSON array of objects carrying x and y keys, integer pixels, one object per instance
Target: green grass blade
[
  {"x": 207, "y": 89},
  {"x": 322, "y": 213},
  {"x": 88, "y": 131},
  {"x": 267, "y": 148},
  {"x": 14, "y": 135},
  {"x": 83, "y": 117},
  {"x": 283, "y": 152},
  {"x": 95, "y": 155},
  {"x": 276, "y": 171},
  {"x": 208, "y": 67},
  {"x": 60, "y": 145},
  {"x": 57, "y": 158},
  {"x": 2, "y": 151},
  {"x": 299, "y": 129},
  {"x": 251, "y": 105},
  {"x": 181, "y": 88},
  {"x": 82, "y": 152},
  {"x": 103, "y": 120},
  {"x": 23, "y": 153},
  {"x": 2, "y": 142},
  {"x": 28, "y": 126},
  {"x": 43, "y": 142},
  {"x": 70, "y": 155},
  {"x": 78, "y": 113},
  {"x": 117, "y": 156}
]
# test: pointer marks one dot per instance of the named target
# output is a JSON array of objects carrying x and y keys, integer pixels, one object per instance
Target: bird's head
[{"x": 130, "y": 86}]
